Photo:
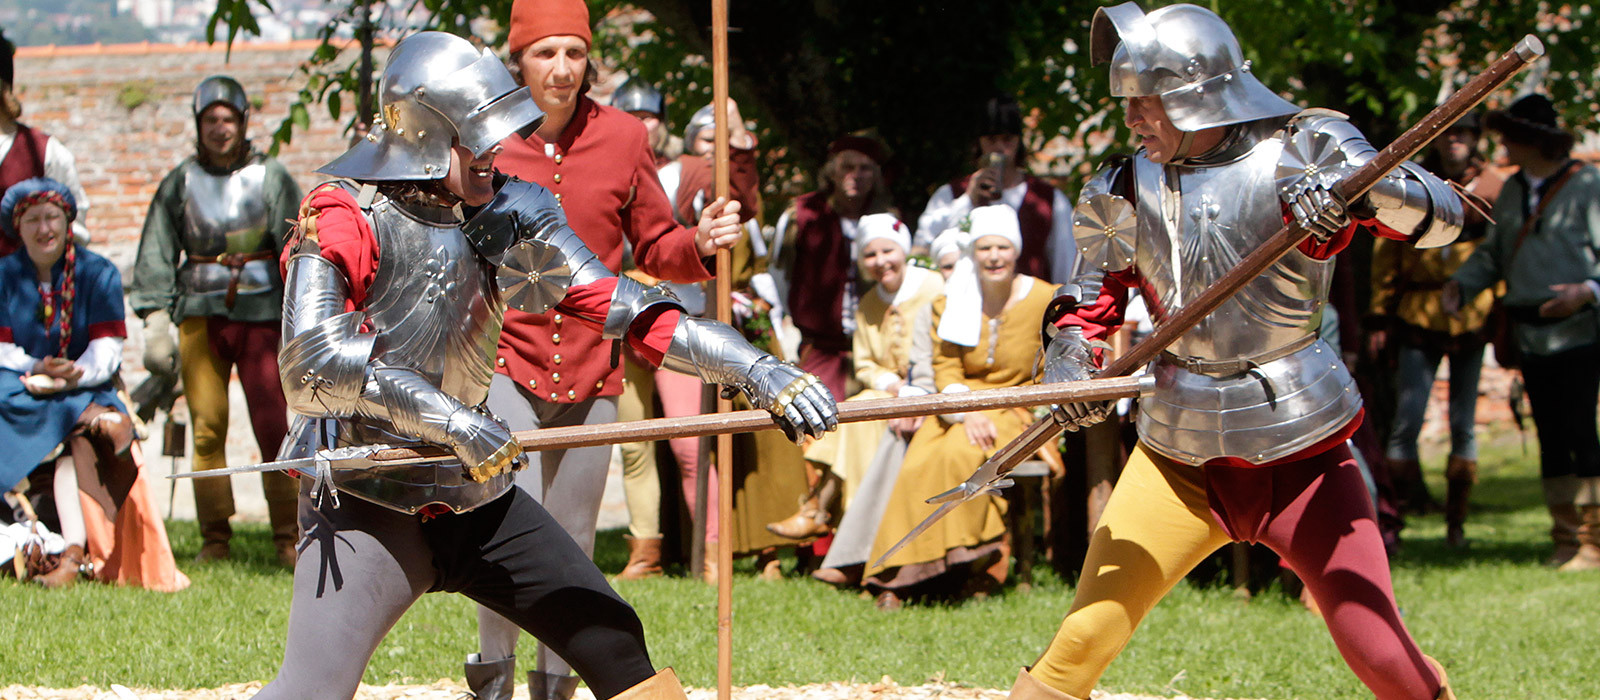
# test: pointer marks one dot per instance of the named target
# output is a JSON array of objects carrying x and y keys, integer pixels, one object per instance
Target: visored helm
[
  {"x": 437, "y": 90},
  {"x": 703, "y": 119},
  {"x": 221, "y": 88},
  {"x": 1188, "y": 57},
  {"x": 636, "y": 95}
]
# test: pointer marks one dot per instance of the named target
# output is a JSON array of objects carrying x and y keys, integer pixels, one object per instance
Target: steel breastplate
[
  {"x": 1196, "y": 224},
  {"x": 225, "y": 214},
  {"x": 435, "y": 309}
]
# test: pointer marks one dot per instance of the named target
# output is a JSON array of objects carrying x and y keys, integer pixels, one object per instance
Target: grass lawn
[{"x": 1502, "y": 625}]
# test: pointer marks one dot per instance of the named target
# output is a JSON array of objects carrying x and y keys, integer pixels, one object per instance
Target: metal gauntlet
[
  {"x": 417, "y": 408},
  {"x": 1069, "y": 358},
  {"x": 717, "y": 354}
]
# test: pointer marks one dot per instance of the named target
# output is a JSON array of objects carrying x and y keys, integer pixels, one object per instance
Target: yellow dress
[
  {"x": 881, "y": 354},
  {"x": 940, "y": 456}
]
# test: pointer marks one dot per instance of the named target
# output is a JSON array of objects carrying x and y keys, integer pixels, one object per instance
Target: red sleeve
[
  {"x": 1330, "y": 248},
  {"x": 5, "y": 335},
  {"x": 661, "y": 248},
  {"x": 104, "y": 329},
  {"x": 330, "y": 217},
  {"x": 1101, "y": 317},
  {"x": 650, "y": 334}
]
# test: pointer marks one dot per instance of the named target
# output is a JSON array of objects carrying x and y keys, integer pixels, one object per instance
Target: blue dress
[{"x": 31, "y": 426}]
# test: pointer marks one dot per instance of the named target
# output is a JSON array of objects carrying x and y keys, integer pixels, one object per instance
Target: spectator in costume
[
  {"x": 862, "y": 460},
  {"x": 551, "y": 371},
  {"x": 1002, "y": 178},
  {"x": 1407, "y": 286},
  {"x": 1545, "y": 231},
  {"x": 26, "y": 152},
  {"x": 205, "y": 265},
  {"x": 61, "y": 335},
  {"x": 987, "y": 326}
]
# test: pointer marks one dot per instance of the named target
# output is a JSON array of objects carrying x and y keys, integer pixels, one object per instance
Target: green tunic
[{"x": 154, "y": 283}]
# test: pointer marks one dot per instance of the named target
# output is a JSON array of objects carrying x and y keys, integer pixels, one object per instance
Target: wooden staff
[
  {"x": 724, "y": 305},
  {"x": 1351, "y": 188},
  {"x": 575, "y": 436}
]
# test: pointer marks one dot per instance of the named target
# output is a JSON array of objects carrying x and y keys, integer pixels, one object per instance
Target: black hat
[
  {"x": 1532, "y": 120},
  {"x": 1472, "y": 121},
  {"x": 1001, "y": 115},
  {"x": 8, "y": 60}
]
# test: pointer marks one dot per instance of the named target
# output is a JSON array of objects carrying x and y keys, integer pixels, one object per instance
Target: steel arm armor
[
  {"x": 1409, "y": 199},
  {"x": 717, "y": 354},
  {"x": 323, "y": 359},
  {"x": 327, "y": 370}
]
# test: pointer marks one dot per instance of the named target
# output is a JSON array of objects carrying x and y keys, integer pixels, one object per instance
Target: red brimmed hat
[{"x": 865, "y": 142}]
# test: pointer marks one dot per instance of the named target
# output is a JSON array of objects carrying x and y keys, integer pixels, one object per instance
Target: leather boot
[
  {"x": 1410, "y": 486},
  {"x": 644, "y": 558},
  {"x": 811, "y": 521},
  {"x": 214, "y": 536},
  {"x": 1445, "y": 693},
  {"x": 1460, "y": 474},
  {"x": 285, "y": 518},
  {"x": 662, "y": 686},
  {"x": 1560, "y": 494},
  {"x": 67, "y": 569},
  {"x": 549, "y": 686},
  {"x": 490, "y": 680},
  {"x": 1029, "y": 688},
  {"x": 1588, "y": 555}
]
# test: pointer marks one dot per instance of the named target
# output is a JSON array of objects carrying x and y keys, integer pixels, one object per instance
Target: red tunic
[
  {"x": 604, "y": 174},
  {"x": 695, "y": 176},
  {"x": 347, "y": 241},
  {"x": 25, "y": 160},
  {"x": 1036, "y": 219}
]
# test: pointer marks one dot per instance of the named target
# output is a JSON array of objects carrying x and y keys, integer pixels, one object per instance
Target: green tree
[{"x": 809, "y": 70}]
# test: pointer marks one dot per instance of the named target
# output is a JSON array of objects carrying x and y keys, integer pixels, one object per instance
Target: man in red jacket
[{"x": 550, "y": 371}]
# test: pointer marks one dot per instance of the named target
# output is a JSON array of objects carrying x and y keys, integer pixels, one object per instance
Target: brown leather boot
[
  {"x": 1029, "y": 688},
  {"x": 1588, "y": 555},
  {"x": 1560, "y": 492},
  {"x": 811, "y": 521},
  {"x": 214, "y": 536},
  {"x": 68, "y": 567},
  {"x": 662, "y": 686},
  {"x": 644, "y": 558},
  {"x": 1460, "y": 474}
]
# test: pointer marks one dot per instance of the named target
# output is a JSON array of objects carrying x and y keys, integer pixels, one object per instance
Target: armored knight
[
  {"x": 1244, "y": 438},
  {"x": 206, "y": 265},
  {"x": 397, "y": 281}
]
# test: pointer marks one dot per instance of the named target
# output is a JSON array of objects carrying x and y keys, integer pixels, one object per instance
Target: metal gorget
[
  {"x": 225, "y": 214},
  {"x": 1195, "y": 223}
]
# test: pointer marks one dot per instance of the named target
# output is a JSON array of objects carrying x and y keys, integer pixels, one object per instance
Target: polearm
[
  {"x": 1351, "y": 188},
  {"x": 575, "y": 436},
  {"x": 724, "y": 297}
]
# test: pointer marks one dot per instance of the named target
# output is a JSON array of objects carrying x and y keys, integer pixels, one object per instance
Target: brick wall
[{"x": 79, "y": 95}]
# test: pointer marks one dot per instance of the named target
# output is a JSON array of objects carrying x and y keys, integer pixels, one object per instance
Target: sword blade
[
  {"x": 285, "y": 465},
  {"x": 919, "y": 529}
]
